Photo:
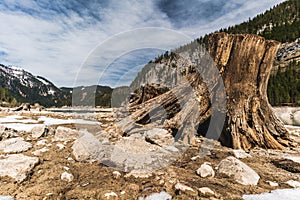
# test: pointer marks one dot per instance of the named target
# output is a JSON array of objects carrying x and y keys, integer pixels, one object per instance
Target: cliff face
[{"x": 170, "y": 69}]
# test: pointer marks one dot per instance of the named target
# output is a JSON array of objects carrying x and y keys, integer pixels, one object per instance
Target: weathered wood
[{"x": 244, "y": 62}]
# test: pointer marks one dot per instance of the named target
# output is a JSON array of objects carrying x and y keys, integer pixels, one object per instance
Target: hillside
[
  {"x": 25, "y": 87},
  {"x": 6, "y": 99},
  {"x": 95, "y": 95},
  {"x": 281, "y": 23}
]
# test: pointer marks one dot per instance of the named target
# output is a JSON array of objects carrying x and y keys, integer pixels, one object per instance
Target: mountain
[
  {"x": 95, "y": 95},
  {"x": 26, "y": 87},
  {"x": 18, "y": 85}
]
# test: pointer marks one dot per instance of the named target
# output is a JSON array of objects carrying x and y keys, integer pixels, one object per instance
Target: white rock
[
  {"x": 273, "y": 184},
  {"x": 60, "y": 146},
  {"x": 294, "y": 184},
  {"x": 65, "y": 176},
  {"x": 195, "y": 158},
  {"x": 65, "y": 134},
  {"x": 139, "y": 173},
  {"x": 116, "y": 174},
  {"x": 159, "y": 136},
  {"x": 171, "y": 148},
  {"x": 206, "y": 191},
  {"x": 70, "y": 159},
  {"x": 15, "y": 145},
  {"x": 242, "y": 173},
  {"x": 123, "y": 192},
  {"x": 66, "y": 168},
  {"x": 110, "y": 194},
  {"x": 158, "y": 196},
  {"x": 182, "y": 187},
  {"x": 17, "y": 166},
  {"x": 205, "y": 170},
  {"x": 39, "y": 131},
  {"x": 87, "y": 148},
  {"x": 240, "y": 153},
  {"x": 40, "y": 151},
  {"x": 105, "y": 141},
  {"x": 41, "y": 142}
]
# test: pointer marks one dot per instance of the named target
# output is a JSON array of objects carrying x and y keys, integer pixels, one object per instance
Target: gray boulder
[
  {"x": 240, "y": 153},
  {"x": 159, "y": 136},
  {"x": 17, "y": 166},
  {"x": 242, "y": 173},
  {"x": 65, "y": 134},
  {"x": 14, "y": 145},
  {"x": 39, "y": 131},
  {"x": 87, "y": 148}
]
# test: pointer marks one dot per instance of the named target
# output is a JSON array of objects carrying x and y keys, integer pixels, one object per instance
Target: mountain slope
[
  {"x": 281, "y": 23},
  {"x": 26, "y": 87},
  {"x": 6, "y": 99},
  {"x": 95, "y": 95}
]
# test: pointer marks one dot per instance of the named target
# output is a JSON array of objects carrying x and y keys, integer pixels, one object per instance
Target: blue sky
[{"x": 55, "y": 38}]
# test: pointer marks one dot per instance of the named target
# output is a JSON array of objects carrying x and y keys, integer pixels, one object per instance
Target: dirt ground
[{"x": 94, "y": 180}]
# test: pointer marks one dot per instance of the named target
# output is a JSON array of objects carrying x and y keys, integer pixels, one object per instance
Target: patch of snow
[
  {"x": 16, "y": 119},
  {"x": 51, "y": 92},
  {"x": 155, "y": 196},
  {"x": 291, "y": 194},
  {"x": 6, "y": 197},
  {"x": 20, "y": 123},
  {"x": 19, "y": 127},
  {"x": 42, "y": 80},
  {"x": 53, "y": 121}
]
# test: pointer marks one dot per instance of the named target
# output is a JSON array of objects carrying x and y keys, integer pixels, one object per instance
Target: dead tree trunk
[{"x": 245, "y": 62}]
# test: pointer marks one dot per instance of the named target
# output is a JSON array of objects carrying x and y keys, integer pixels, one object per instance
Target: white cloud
[{"x": 54, "y": 41}]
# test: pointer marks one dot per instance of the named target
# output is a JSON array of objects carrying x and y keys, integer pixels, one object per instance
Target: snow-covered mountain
[{"x": 26, "y": 87}]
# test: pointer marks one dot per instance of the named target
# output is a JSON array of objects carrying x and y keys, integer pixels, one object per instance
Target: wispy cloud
[{"x": 53, "y": 38}]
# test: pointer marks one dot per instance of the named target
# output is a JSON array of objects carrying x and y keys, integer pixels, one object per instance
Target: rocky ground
[{"x": 64, "y": 160}]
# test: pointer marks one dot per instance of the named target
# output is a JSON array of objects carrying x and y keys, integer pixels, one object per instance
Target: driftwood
[{"x": 244, "y": 62}]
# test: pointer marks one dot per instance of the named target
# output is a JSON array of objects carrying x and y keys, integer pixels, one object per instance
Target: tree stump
[{"x": 244, "y": 62}]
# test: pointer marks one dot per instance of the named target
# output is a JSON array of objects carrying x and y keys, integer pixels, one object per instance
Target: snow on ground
[
  {"x": 19, "y": 126},
  {"x": 21, "y": 123},
  {"x": 281, "y": 194},
  {"x": 54, "y": 121},
  {"x": 16, "y": 119}
]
